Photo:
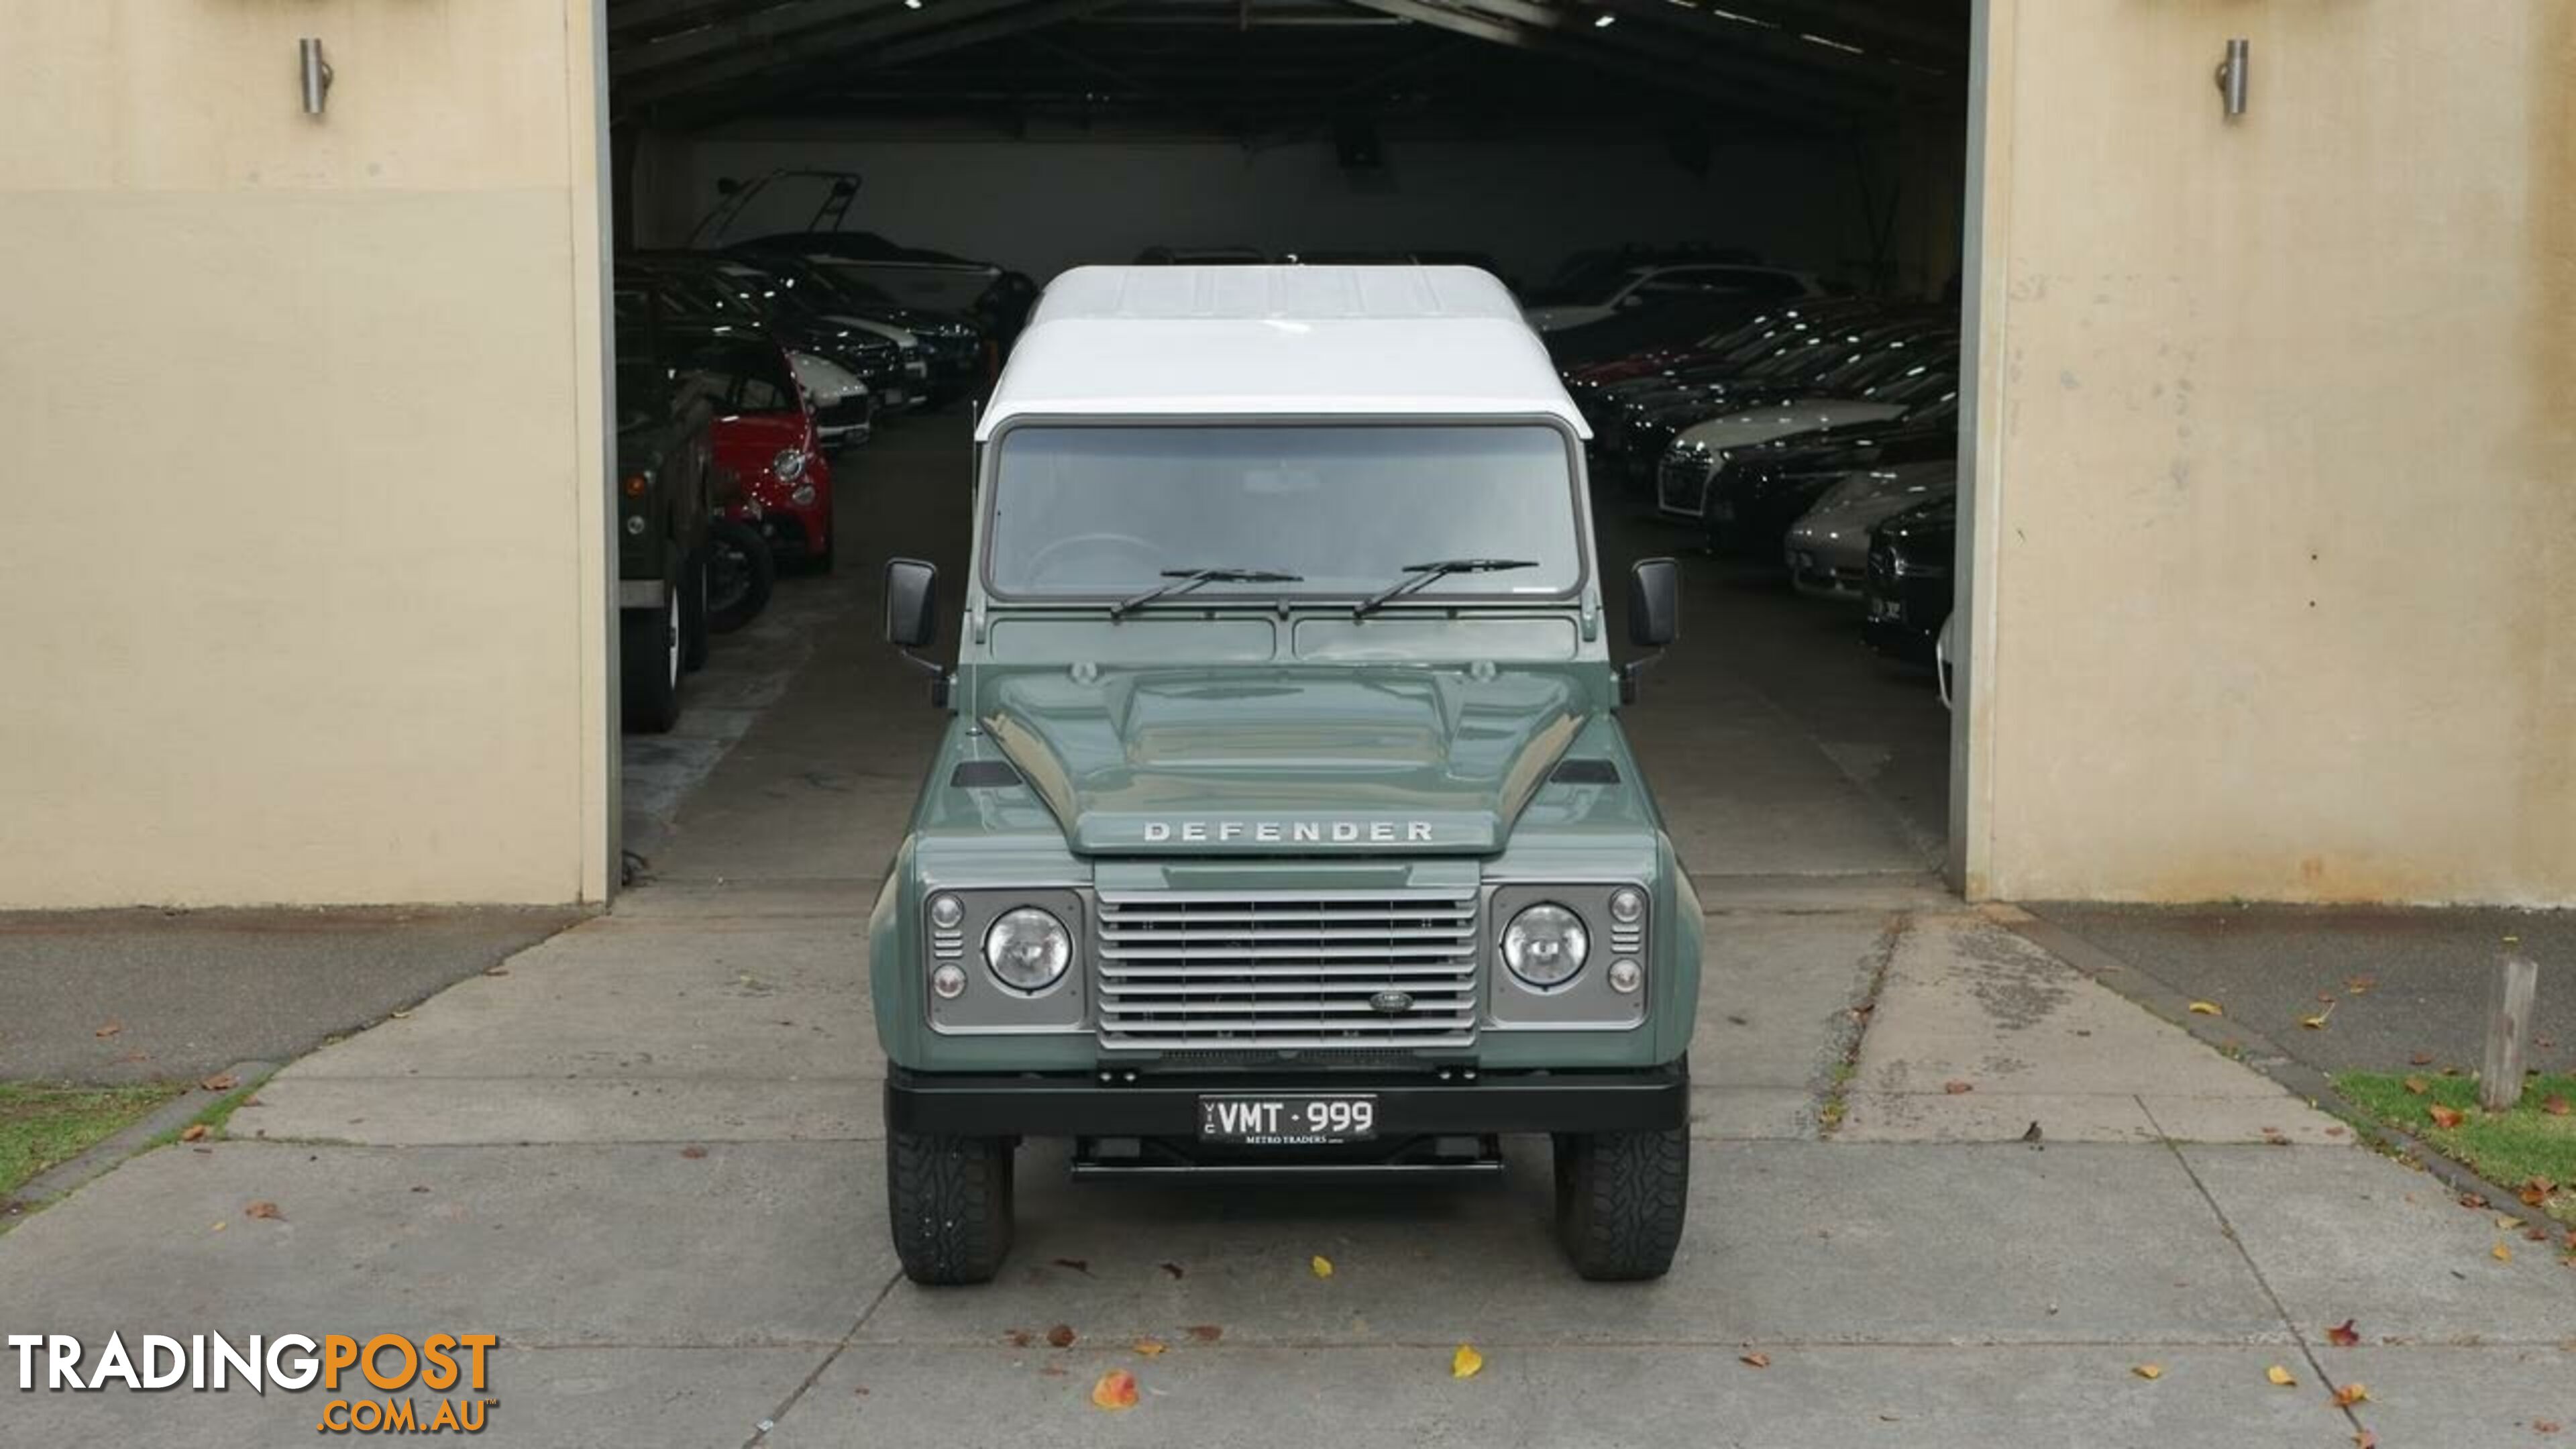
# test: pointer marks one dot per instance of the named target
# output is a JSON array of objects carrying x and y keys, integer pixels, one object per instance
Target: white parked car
[
  {"x": 1693, "y": 457},
  {"x": 843, "y": 412},
  {"x": 1827, "y": 549},
  {"x": 1604, "y": 296}
]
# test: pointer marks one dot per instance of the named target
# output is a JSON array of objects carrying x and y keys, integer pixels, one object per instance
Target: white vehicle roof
[{"x": 1394, "y": 341}]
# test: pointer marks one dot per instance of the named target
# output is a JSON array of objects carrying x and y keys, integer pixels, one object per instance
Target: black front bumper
[{"x": 1057, "y": 1105}]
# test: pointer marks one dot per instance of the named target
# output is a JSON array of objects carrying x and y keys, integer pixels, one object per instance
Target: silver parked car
[{"x": 1827, "y": 549}]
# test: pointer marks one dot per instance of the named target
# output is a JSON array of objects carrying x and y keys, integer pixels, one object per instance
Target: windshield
[{"x": 1089, "y": 511}]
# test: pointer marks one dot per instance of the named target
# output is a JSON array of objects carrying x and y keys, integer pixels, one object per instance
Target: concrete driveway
[{"x": 646, "y": 1155}]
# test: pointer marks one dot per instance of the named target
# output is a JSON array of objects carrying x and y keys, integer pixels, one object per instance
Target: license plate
[
  {"x": 892, "y": 397},
  {"x": 1290, "y": 1121}
]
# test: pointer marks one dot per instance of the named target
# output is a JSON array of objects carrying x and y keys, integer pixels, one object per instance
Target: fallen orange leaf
[
  {"x": 109, "y": 1030},
  {"x": 1206, "y": 1332},
  {"x": 2417, "y": 1085},
  {"x": 196, "y": 1133},
  {"x": 1060, "y": 1336},
  {"x": 1116, "y": 1390},
  {"x": 1757, "y": 1360},
  {"x": 2281, "y": 1377},
  {"x": 2206, "y": 1008},
  {"x": 1955, "y": 1088},
  {"x": 2420, "y": 1059},
  {"x": 1466, "y": 1363},
  {"x": 2537, "y": 1191},
  {"x": 2501, "y": 1252},
  {"x": 1151, "y": 1347},
  {"x": 2446, "y": 1116},
  {"x": 1321, "y": 1266},
  {"x": 2149, "y": 1371},
  {"x": 2557, "y": 1107},
  {"x": 220, "y": 1082},
  {"x": 2318, "y": 1021},
  {"x": 2349, "y": 1395},
  {"x": 2344, "y": 1335},
  {"x": 263, "y": 1209}
]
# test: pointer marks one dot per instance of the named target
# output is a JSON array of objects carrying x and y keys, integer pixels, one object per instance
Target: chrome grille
[{"x": 1201, "y": 970}]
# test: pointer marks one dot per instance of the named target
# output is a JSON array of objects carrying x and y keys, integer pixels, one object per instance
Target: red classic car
[{"x": 765, "y": 437}]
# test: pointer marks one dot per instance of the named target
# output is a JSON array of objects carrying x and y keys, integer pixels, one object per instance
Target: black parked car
[
  {"x": 1763, "y": 490},
  {"x": 722, "y": 289},
  {"x": 1790, "y": 353},
  {"x": 1749, "y": 496},
  {"x": 1907, "y": 595},
  {"x": 953, "y": 352},
  {"x": 1856, "y": 362}
]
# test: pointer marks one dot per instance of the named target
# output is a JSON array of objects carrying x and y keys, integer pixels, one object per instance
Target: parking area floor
[{"x": 1946, "y": 1189}]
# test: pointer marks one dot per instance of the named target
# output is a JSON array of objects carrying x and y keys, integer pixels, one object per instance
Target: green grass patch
[
  {"x": 44, "y": 1126},
  {"x": 2514, "y": 1150}
]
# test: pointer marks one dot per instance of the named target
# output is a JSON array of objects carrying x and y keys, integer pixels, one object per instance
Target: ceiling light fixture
[{"x": 1604, "y": 21}]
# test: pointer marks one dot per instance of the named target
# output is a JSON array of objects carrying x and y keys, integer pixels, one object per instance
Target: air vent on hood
[
  {"x": 983, "y": 775},
  {"x": 1585, "y": 772}
]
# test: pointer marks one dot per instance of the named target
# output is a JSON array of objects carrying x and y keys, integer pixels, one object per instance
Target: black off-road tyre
[
  {"x": 649, "y": 648},
  {"x": 693, "y": 613},
  {"x": 949, "y": 1201},
  {"x": 1620, "y": 1200}
]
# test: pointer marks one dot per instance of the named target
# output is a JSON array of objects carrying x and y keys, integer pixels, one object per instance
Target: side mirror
[
  {"x": 1654, "y": 603},
  {"x": 911, "y": 603},
  {"x": 1654, "y": 617},
  {"x": 912, "y": 618}
]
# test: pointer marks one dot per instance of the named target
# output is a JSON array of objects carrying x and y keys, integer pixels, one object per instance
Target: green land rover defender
[{"x": 1285, "y": 827}]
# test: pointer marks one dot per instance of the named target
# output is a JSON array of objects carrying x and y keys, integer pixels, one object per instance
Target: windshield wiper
[
  {"x": 1185, "y": 580},
  {"x": 1423, "y": 575}
]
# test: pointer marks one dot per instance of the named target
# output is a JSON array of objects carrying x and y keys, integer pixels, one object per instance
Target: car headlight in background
[
  {"x": 1545, "y": 945},
  {"x": 789, "y": 465},
  {"x": 1027, "y": 949}
]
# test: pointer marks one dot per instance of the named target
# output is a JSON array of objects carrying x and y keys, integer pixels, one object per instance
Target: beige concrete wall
[
  {"x": 2276, "y": 455},
  {"x": 300, "y": 420}
]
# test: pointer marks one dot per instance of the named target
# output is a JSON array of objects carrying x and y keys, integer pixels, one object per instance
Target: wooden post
[{"x": 2517, "y": 982}]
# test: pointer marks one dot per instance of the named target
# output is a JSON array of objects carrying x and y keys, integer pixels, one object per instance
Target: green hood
[{"x": 1306, "y": 760}]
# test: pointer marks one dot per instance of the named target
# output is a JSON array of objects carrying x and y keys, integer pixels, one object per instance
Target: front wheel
[
  {"x": 949, "y": 1203},
  {"x": 1620, "y": 1200}
]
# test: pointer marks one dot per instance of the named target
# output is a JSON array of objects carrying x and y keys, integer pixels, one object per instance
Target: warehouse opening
[{"x": 1736, "y": 227}]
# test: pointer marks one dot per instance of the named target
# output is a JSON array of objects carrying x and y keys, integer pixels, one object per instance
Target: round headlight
[
  {"x": 789, "y": 465},
  {"x": 1627, "y": 904},
  {"x": 946, "y": 912},
  {"x": 947, "y": 983},
  {"x": 1545, "y": 945},
  {"x": 804, "y": 495},
  {"x": 1027, "y": 949}
]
